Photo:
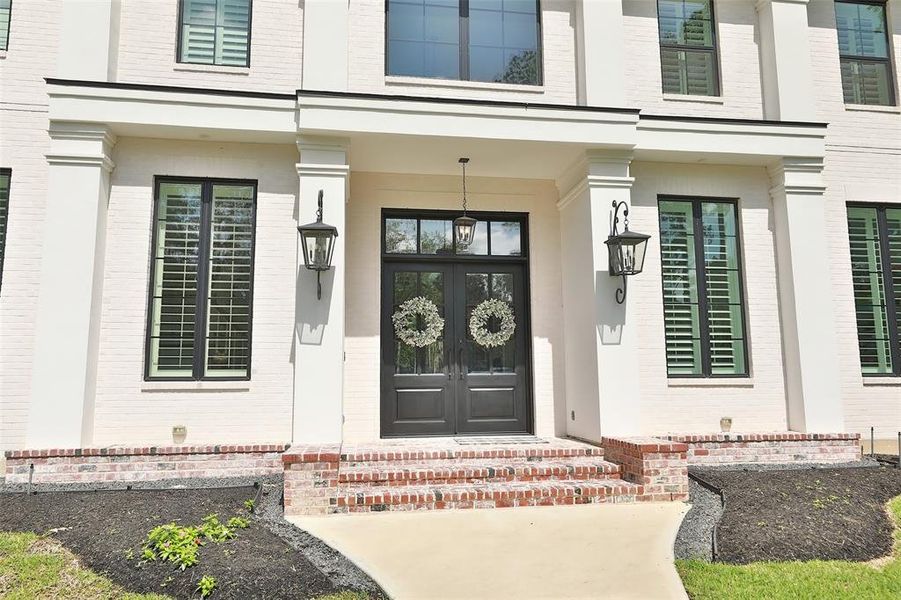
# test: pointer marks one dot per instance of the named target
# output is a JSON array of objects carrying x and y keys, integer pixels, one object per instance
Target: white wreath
[
  {"x": 405, "y": 322},
  {"x": 478, "y": 323}
]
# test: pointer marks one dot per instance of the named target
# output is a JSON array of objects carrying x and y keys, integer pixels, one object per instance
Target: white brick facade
[{"x": 405, "y": 158}]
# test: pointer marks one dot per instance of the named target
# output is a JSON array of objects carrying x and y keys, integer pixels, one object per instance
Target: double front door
[{"x": 459, "y": 383}]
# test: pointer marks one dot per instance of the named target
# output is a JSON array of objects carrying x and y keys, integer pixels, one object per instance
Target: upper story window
[
  {"x": 864, "y": 52},
  {"x": 215, "y": 32},
  {"x": 474, "y": 40},
  {"x": 5, "y": 10},
  {"x": 703, "y": 296},
  {"x": 201, "y": 279},
  {"x": 875, "y": 238},
  {"x": 5, "y": 175},
  {"x": 688, "y": 47}
]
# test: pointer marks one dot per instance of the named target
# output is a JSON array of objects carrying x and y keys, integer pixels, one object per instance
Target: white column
[
  {"x": 601, "y": 53},
  {"x": 68, "y": 312},
  {"x": 319, "y": 323},
  {"x": 601, "y": 343},
  {"x": 89, "y": 39},
  {"x": 805, "y": 297},
  {"x": 325, "y": 40},
  {"x": 785, "y": 64}
]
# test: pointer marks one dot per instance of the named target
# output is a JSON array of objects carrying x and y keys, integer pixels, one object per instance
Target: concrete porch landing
[{"x": 552, "y": 552}]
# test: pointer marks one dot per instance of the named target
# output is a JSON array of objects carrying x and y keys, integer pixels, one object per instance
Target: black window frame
[
  {"x": 180, "y": 34},
  {"x": 701, "y": 278},
  {"x": 9, "y": 27},
  {"x": 463, "y": 16},
  {"x": 891, "y": 314},
  {"x": 714, "y": 50},
  {"x": 887, "y": 61},
  {"x": 200, "y": 310},
  {"x": 4, "y": 227}
]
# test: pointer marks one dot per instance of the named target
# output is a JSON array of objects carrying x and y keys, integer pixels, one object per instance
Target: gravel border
[{"x": 267, "y": 511}]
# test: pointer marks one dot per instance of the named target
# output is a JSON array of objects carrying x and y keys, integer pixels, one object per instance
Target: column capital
[
  {"x": 598, "y": 169},
  {"x": 797, "y": 175},
  {"x": 81, "y": 144}
]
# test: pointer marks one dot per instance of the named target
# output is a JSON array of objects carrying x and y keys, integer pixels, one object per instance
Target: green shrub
[{"x": 206, "y": 585}]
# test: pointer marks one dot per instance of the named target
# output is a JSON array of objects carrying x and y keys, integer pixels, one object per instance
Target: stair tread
[
  {"x": 447, "y": 450},
  {"x": 443, "y": 468}
]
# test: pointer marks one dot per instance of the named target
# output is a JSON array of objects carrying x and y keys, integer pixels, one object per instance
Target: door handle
[
  {"x": 460, "y": 360},
  {"x": 449, "y": 357}
]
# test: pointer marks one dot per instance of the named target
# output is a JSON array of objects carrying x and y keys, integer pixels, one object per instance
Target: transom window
[
  {"x": 475, "y": 40},
  {"x": 875, "y": 238},
  {"x": 201, "y": 279},
  {"x": 435, "y": 236},
  {"x": 5, "y": 13},
  {"x": 215, "y": 32},
  {"x": 703, "y": 299},
  {"x": 864, "y": 52},
  {"x": 688, "y": 47},
  {"x": 5, "y": 176}
]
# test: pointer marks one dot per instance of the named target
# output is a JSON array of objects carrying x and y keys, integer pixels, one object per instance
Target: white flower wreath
[
  {"x": 478, "y": 323},
  {"x": 405, "y": 322}
]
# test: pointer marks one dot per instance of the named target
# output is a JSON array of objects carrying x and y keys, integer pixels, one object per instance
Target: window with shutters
[
  {"x": 201, "y": 280},
  {"x": 703, "y": 297},
  {"x": 874, "y": 233},
  {"x": 475, "y": 40},
  {"x": 864, "y": 51},
  {"x": 5, "y": 176},
  {"x": 688, "y": 47},
  {"x": 215, "y": 32},
  {"x": 5, "y": 13}
]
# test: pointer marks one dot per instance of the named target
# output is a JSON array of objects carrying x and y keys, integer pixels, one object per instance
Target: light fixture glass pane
[
  {"x": 400, "y": 236},
  {"x": 479, "y": 243}
]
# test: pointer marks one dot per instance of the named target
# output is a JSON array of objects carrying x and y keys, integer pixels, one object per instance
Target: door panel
[
  {"x": 492, "y": 387},
  {"x": 417, "y": 383}
]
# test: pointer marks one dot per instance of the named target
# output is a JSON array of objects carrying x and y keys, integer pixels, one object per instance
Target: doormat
[{"x": 484, "y": 440}]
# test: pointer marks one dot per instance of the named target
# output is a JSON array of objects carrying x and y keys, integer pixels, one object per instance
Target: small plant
[
  {"x": 238, "y": 523},
  {"x": 249, "y": 504},
  {"x": 215, "y": 530},
  {"x": 173, "y": 543},
  {"x": 129, "y": 554},
  {"x": 206, "y": 585}
]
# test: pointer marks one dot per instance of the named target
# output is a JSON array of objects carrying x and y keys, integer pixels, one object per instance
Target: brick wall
[
  {"x": 311, "y": 478},
  {"x": 659, "y": 466},
  {"x": 774, "y": 448},
  {"x": 95, "y": 465}
]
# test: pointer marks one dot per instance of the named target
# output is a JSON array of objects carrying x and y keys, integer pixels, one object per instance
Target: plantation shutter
[
  {"x": 228, "y": 297},
  {"x": 875, "y": 238},
  {"x": 687, "y": 47},
  {"x": 4, "y": 23},
  {"x": 216, "y": 32},
  {"x": 699, "y": 251},
  {"x": 4, "y": 214},
  {"x": 864, "y": 53},
  {"x": 173, "y": 304}
]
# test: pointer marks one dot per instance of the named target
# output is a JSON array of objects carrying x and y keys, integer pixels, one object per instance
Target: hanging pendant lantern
[{"x": 464, "y": 225}]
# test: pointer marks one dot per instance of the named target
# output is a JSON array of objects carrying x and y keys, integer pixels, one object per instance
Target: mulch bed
[
  {"x": 102, "y": 526},
  {"x": 804, "y": 514}
]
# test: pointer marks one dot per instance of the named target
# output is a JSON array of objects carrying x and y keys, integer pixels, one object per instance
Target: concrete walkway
[{"x": 589, "y": 551}]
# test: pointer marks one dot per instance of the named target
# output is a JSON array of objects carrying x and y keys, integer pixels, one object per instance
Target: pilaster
[
  {"x": 600, "y": 54},
  {"x": 785, "y": 61},
  {"x": 600, "y": 335},
  {"x": 325, "y": 41},
  {"x": 319, "y": 323},
  {"x": 68, "y": 314},
  {"x": 810, "y": 342},
  {"x": 89, "y": 39}
]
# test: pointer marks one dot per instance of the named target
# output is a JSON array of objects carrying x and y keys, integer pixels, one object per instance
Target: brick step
[
  {"x": 352, "y": 454},
  {"x": 366, "y": 498},
  {"x": 468, "y": 470}
]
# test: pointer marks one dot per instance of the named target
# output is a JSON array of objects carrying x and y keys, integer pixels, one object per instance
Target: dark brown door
[{"x": 455, "y": 385}]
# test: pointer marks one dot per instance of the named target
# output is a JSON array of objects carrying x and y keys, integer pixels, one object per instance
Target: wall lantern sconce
[
  {"x": 464, "y": 226},
  {"x": 627, "y": 249},
  {"x": 318, "y": 241}
]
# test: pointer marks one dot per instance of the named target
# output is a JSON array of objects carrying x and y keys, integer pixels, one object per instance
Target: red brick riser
[
  {"x": 144, "y": 463},
  {"x": 659, "y": 466},
  {"x": 773, "y": 448},
  {"x": 323, "y": 480}
]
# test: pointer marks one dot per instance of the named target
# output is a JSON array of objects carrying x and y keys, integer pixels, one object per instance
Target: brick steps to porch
[
  {"x": 478, "y": 470},
  {"x": 365, "y": 498}
]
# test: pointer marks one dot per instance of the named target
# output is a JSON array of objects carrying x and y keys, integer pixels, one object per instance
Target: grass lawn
[
  {"x": 797, "y": 580},
  {"x": 33, "y": 567}
]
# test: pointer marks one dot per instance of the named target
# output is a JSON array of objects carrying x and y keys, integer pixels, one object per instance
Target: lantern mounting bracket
[{"x": 620, "y": 292}]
